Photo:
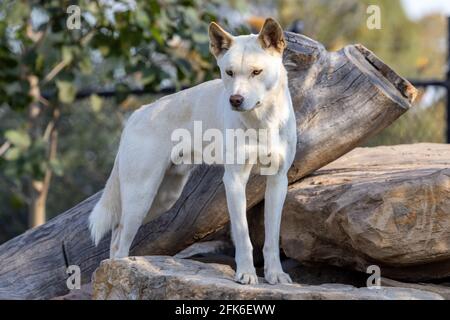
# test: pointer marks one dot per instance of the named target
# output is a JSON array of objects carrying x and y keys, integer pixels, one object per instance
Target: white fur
[
  {"x": 106, "y": 213},
  {"x": 144, "y": 183}
]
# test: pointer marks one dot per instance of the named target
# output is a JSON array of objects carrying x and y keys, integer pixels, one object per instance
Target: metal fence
[{"x": 445, "y": 83}]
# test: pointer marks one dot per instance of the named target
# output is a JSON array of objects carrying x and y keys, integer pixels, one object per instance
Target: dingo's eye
[
  {"x": 229, "y": 72},
  {"x": 256, "y": 72}
]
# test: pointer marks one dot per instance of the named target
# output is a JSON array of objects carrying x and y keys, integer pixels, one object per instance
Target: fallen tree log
[
  {"x": 340, "y": 99},
  {"x": 385, "y": 206}
]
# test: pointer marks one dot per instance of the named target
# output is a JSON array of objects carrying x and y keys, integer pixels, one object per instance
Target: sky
[{"x": 416, "y": 9}]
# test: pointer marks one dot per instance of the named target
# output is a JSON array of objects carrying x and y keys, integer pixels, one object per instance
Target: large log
[
  {"x": 387, "y": 206},
  {"x": 340, "y": 99}
]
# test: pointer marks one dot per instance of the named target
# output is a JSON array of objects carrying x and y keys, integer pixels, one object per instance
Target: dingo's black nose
[{"x": 236, "y": 100}]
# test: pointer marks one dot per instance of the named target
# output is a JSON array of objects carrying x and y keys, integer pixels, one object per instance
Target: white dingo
[{"x": 251, "y": 94}]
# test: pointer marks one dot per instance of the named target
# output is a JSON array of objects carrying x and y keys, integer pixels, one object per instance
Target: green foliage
[
  {"x": 44, "y": 65},
  {"x": 140, "y": 46}
]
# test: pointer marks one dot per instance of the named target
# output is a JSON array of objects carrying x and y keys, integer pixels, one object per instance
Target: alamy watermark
[
  {"x": 374, "y": 280},
  {"x": 229, "y": 146},
  {"x": 73, "y": 282},
  {"x": 73, "y": 21},
  {"x": 374, "y": 19}
]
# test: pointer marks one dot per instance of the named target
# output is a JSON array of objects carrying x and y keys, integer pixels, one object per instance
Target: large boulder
[
  {"x": 387, "y": 206},
  {"x": 163, "y": 277}
]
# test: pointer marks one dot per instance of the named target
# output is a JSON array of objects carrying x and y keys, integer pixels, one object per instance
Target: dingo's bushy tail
[{"x": 106, "y": 213}]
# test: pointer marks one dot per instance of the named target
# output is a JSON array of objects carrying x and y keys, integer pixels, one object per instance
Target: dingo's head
[{"x": 250, "y": 65}]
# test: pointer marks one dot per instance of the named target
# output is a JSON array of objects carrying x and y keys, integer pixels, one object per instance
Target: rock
[
  {"x": 218, "y": 251},
  {"x": 386, "y": 206},
  {"x": 163, "y": 277},
  {"x": 442, "y": 290}
]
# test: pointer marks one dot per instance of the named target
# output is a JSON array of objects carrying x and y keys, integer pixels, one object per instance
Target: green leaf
[
  {"x": 92, "y": 7},
  {"x": 12, "y": 154},
  {"x": 104, "y": 50},
  {"x": 66, "y": 91},
  {"x": 142, "y": 19},
  {"x": 67, "y": 54},
  {"x": 96, "y": 103},
  {"x": 40, "y": 61},
  {"x": 85, "y": 66},
  {"x": 17, "y": 201},
  {"x": 200, "y": 37},
  {"x": 157, "y": 35},
  {"x": 20, "y": 139},
  {"x": 57, "y": 167},
  {"x": 19, "y": 11}
]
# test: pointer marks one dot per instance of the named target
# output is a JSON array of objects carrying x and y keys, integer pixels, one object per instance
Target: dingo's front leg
[
  {"x": 235, "y": 179},
  {"x": 276, "y": 190}
]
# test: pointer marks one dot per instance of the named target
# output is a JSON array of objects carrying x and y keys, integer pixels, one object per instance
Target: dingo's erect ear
[
  {"x": 271, "y": 36},
  {"x": 219, "y": 39}
]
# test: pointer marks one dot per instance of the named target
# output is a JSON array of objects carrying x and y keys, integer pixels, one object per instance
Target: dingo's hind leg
[
  {"x": 169, "y": 191},
  {"x": 115, "y": 236},
  {"x": 138, "y": 194}
]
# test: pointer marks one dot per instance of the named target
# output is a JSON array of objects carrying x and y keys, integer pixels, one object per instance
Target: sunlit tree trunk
[
  {"x": 39, "y": 193},
  {"x": 39, "y": 187},
  {"x": 36, "y": 214}
]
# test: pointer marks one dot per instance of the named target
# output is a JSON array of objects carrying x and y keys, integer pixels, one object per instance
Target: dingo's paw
[
  {"x": 246, "y": 277},
  {"x": 277, "y": 277}
]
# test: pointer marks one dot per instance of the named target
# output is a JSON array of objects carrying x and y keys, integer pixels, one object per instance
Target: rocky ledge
[{"x": 163, "y": 277}]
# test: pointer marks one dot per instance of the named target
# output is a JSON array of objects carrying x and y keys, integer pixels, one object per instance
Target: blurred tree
[
  {"x": 44, "y": 63},
  {"x": 414, "y": 49}
]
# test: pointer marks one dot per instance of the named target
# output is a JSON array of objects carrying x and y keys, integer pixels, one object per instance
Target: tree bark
[{"x": 340, "y": 99}]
